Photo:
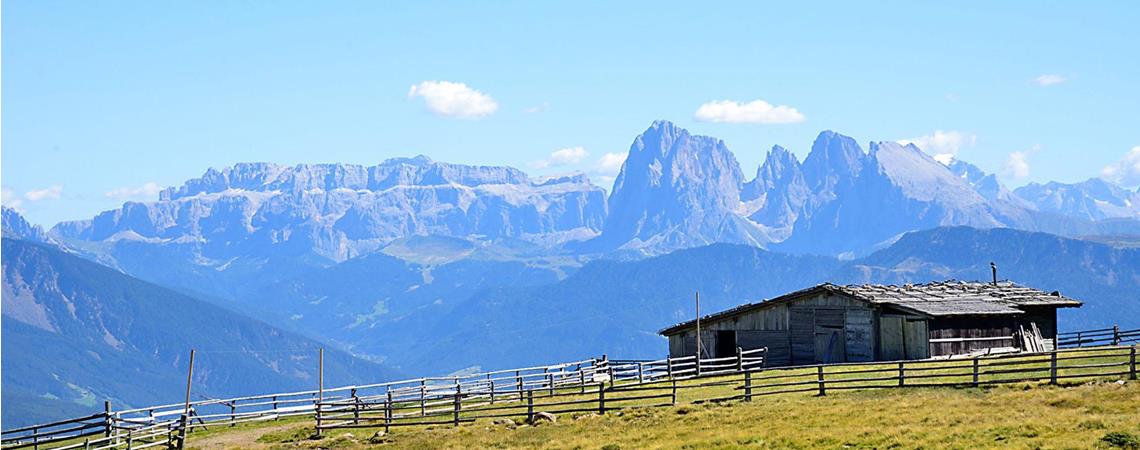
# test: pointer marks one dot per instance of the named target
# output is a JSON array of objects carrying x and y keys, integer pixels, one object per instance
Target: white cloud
[
  {"x": 756, "y": 111},
  {"x": 451, "y": 99},
  {"x": 562, "y": 157},
  {"x": 147, "y": 191},
  {"x": 609, "y": 164},
  {"x": 1125, "y": 172},
  {"x": 1017, "y": 163},
  {"x": 942, "y": 145},
  {"x": 9, "y": 198},
  {"x": 1050, "y": 79},
  {"x": 49, "y": 193},
  {"x": 607, "y": 167},
  {"x": 537, "y": 108}
]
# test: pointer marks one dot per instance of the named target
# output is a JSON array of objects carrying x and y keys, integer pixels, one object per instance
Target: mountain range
[{"x": 398, "y": 263}]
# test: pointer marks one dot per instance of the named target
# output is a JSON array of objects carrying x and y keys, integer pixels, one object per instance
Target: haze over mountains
[
  {"x": 410, "y": 259},
  {"x": 675, "y": 190}
]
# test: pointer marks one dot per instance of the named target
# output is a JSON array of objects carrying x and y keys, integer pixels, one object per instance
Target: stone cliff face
[
  {"x": 677, "y": 190},
  {"x": 338, "y": 210}
]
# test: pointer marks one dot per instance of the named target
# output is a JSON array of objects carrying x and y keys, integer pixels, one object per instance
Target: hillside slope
[{"x": 77, "y": 333}]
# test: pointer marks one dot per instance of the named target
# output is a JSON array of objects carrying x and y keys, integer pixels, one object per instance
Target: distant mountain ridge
[
  {"x": 77, "y": 333},
  {"x": 675, "y": 190},
  {"x": 338, "y": 211}
]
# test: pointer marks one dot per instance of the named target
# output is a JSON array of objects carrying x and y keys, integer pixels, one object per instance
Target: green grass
[
  {"x": 1094, "y": 415},
  {"x": 1097, "y": 412}
]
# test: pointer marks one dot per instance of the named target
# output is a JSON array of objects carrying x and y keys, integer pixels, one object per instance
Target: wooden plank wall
[
  {"x": 779, "y": 351},
  {"x": 859, "y": 328},
  {"x": 973, "y": 329}
]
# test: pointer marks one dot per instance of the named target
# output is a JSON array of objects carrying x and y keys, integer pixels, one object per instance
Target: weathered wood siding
[
  {"x": 903, "y": 336},
  {"x": 977, "y": 333},
  {"x": 828, "y": 328}
]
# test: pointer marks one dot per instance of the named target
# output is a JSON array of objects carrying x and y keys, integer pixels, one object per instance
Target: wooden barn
[{"x": 830, "y": 323}]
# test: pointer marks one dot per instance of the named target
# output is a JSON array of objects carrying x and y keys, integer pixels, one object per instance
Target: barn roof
[{"x": 936, "y": 299}]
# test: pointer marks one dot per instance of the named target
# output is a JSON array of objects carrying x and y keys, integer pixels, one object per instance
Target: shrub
[{"x": 1122, "y": 439}]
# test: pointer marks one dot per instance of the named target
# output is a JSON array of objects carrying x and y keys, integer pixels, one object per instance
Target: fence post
[
  {"x": 355, "y": 407},
  {"x": 673, "y": 396},
  {"x": 819, "y": 376},
  {"x": 1116, "y": 335},
  {"x": 108, "y": 421},
  {"x": 669, "y": 366},
  {"x": 458, "y": 403},
  {"x": 423, "y": 397},
  {"x": 747, "y": 386},
  {"x": 1053, "y": 367},
  {"x": 602, "y": 398},
  {"x": 1079, "y": 340},
  {"x": 582, "y": 379},
  {"x": 902, "y": 375},
  {"x": 640, "y": 374},
  {"x": 609, "y": 369},
  {"x": 388, "y": 408},
  {"x": 550, "y": 380},
  {"x": 275, "y": 416},
  {"x": 529, "y": 407},
  {"x": 975, "y": 371},
  {"x": 698, "y": 364},
  {"x": 1132, "y": 363},
  {"x": 518, "y": 381},
  {"x": 739, "y": 359},
  {"x": 130, "y": 440},
  {"x": 492, "y": 391},
  {"x": 233, "y": 413}
]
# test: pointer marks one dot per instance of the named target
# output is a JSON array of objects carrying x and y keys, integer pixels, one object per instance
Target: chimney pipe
[{"x": 993, "y": 269}]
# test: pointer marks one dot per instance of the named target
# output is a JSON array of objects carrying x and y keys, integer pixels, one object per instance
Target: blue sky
[{"x": 105, "y": 101}]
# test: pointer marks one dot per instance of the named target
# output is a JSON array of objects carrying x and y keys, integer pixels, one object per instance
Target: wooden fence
[
  {"x": 422, "y": 399},
  {"x": 1103, "y": 336},
  {"x": 733, "y": 380}
]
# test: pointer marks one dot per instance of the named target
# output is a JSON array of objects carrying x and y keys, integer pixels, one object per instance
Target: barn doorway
[
  {"x": 725, "y": 343},
  {"x": 902, "y": 337}
]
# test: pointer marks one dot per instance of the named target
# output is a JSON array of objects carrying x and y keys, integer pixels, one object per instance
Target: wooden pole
[
  {"x": 1132, "y": 363},
  {"x": 819, "y": 378},
  {"x": 747, "y": 386},
  {"x": 108, "y": 422},
  {"x": 673, "y": 395},
  {"x": 184, "y": 421},
  {"x": 320, "y": 386},
  {"x": 602, "y": 398},
  {"x": 529, "y": 406},
  {"x": 975, "y": 371},
  {"x": 387, "y": 410},
  {"x": 458, "y": 402},
  {"x": 1116, "y": 335},
  {"x": 902, "y": 375},
  {"x": 1053, "y": 367},
  {"x": 697, "y": 297}
]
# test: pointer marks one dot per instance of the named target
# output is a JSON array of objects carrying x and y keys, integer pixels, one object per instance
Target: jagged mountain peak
[
  {"x": 676, "y": 190},
  {"x": 834, "y": 158}
]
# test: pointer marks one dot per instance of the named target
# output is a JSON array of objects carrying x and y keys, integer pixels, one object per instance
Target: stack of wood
[{"x": 1031, "y": 340}]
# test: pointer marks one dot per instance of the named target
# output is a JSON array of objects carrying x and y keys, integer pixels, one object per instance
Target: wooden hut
[{"x": 830, "y": 323}]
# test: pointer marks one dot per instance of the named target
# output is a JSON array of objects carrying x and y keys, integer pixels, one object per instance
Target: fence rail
[
  {"x": 1103, "y": 336},
  {"x": 615, "y": 393},
  {"x": 577, "y": 386}
]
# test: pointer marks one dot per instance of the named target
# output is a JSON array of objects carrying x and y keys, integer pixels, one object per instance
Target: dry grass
[{"x": 1095, "y": 415}]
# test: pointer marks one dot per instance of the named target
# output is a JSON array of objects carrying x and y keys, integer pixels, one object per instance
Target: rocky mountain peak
[
  {"x": 834, "y": 159},
  {"x": 675, "y": 190}
]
